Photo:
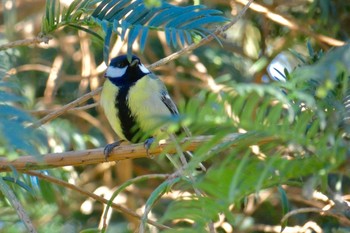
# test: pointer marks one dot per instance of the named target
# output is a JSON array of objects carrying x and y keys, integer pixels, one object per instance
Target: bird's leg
[
  {"x": 147, "y": 144},
  {"x": 109, "y": 147}
]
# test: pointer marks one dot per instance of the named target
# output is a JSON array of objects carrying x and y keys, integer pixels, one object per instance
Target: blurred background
[{"x": 256, "y": 49}]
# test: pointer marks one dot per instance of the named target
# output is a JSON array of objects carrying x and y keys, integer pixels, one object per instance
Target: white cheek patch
[
  {"x": 115, "y": 72},
  {"x": 144, "y": 69}
]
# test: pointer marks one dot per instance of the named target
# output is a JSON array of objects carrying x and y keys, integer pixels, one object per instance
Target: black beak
[{"x": 134, "y": 63}]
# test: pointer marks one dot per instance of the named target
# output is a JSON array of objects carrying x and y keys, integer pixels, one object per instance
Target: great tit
[{"x": 135, "y": 101}]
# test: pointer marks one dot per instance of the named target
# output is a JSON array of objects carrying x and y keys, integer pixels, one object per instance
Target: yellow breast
[
  {"x": 146, "y": 104},
  {"x": 108, "y": 95}
]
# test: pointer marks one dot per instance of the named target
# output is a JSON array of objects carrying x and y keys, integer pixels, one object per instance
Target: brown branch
[
  {"x": 65, "y": 108},
  {"x": 344, "y": 220},
  {"x": 95, "y": 156},
  {"x": 93, "y": 196},
  {"x": 75, "y": 109},
  {"x": 291, "y": 24},
  {"x": 26, "y": 42},
  {"x": 163, "y": 61},
  {"x": 122, "y": 152}
]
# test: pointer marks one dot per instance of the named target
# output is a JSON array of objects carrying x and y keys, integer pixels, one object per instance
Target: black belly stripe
[{"x": 127, "y": 120}]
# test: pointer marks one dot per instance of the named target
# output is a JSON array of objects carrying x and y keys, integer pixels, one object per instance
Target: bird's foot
[
  {"x": 109, "y": 148},
  {"x": 147, "y": 144}
]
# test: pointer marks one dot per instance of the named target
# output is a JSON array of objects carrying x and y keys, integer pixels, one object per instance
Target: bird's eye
[{"x": 122, "y": 64}]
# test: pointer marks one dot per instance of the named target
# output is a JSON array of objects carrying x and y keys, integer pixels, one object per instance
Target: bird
[{"x": 135, "y": 102}]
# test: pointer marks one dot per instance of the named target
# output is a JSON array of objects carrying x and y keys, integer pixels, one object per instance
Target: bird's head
[{"x": 121, "y": 71}]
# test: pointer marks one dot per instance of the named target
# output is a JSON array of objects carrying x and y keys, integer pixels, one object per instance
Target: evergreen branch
[
  {"x": 205, "y": 40},
  {"x": 123, "y": 187},
  {"x": 95, "y": 156},
  {"x": 93, "y": 196},
  {"x": 22, "y": 214},
  {"x": 132, "y": 20}
]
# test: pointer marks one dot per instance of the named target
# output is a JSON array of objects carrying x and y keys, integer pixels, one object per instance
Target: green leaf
[
  {"x": 95, "y": 34},
  {"x": 90, "y": 230},
  {"x": 156, "y": 194},
  {"x": 11, "y": 197},
  {"x": 285, "y": 205},
  {"x": 200, "y": 210},
  {"x": 48, "y": 191},
  {"x": 76, "y": 14},
  {"x": 125, "y": 185},
  {"x": 20, "y": 184},
  {"x": 236, "y": 179}
]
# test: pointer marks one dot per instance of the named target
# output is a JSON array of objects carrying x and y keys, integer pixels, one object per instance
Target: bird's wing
[
  {"x": 165, "y": 97},
  {"x": 169, "y": 103}
]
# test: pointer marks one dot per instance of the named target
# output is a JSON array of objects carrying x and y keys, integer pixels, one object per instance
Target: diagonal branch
[
  {"x": 93, "y": 196},
  {"x": 291, "y": 24}
]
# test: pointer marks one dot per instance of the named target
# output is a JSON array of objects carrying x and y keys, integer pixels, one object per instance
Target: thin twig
[
  {"x": 65, "y": 108},
  {"x": 75, "y": 109},
  {"x": 291, "y": 24},
  {"x": 93, "y": 196},
  {"x": 343, "y": 219},
  {"x": 26, "y": 42}
]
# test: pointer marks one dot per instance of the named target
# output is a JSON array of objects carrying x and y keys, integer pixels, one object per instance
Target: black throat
[{"x": 128, "y": 122}]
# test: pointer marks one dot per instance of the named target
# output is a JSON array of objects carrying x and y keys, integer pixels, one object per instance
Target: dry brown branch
[
  {"x": 341, "y": 218},
  {"x": 310, "y": 225},
  {"x": 93, "y": 196},
  {"x": 291, "y": 24},
  {"x": 76, "y": 109},
  {"x": 95, "y": 156},
  {"x": 26, "y": 42},
  {"x": 65, "y": 108},
  {"x": 163, "y": 61}
]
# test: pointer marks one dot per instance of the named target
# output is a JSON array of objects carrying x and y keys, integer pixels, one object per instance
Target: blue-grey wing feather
[{"x": 169, "y": 103}]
